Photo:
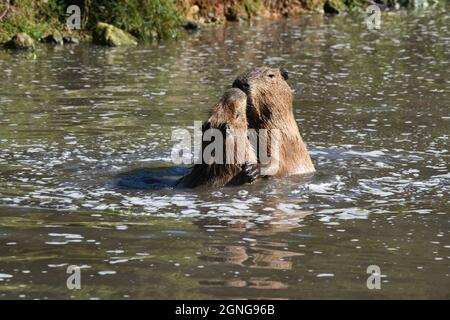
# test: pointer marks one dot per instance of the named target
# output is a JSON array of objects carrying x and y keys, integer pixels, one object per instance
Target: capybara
[
  {"x": 237, "y": 163},
  {"x": 269, "y": 106}
]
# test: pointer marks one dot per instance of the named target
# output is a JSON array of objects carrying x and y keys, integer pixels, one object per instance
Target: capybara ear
[{"x": 284, "y": 74}]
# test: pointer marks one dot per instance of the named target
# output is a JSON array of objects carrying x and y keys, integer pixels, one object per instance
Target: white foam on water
[
  {"x": 106, "y": 272},
  {"x": 374, "y": 153},
  {"x": 344, "y": 214},
  {"x": 323, "y": 275},
  {"x": 66, "y": 235}
]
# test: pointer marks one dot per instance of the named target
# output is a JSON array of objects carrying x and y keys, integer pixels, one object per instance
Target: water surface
[{"x": 373, "y": 108}]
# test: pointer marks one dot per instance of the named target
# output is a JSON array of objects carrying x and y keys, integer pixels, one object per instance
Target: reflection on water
[{"x": 84, "y": 128}]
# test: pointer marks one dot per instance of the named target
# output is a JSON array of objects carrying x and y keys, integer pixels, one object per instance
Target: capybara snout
[{"x": 241, "y": 84}]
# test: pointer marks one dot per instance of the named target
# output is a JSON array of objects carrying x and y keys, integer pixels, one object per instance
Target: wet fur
[
  {"x": 269, "y": 106},
  {"x": 229, "y": 113}
]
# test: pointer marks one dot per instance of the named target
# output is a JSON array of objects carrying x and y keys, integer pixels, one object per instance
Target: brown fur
[
  {"x": 229, "y": 113},
  {"x": 269, "y": 106}
]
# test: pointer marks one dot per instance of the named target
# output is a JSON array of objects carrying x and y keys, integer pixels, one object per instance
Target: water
[{"x": 373, "y": 108}]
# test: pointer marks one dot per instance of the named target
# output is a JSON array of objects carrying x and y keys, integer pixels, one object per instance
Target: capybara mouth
[{"x": 245, "y": 87}]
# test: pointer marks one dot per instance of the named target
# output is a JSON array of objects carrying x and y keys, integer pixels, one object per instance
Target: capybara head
[
  {"x": 229, "y": 116},
  {"x": 267, "y": 92},
  {"x": 231, "y": 110}
]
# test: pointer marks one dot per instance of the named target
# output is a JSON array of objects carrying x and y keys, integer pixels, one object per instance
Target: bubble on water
[
  {"x": 117, "y": 251},
  {"x": 5, "y": 276},
  {"x": 118, "y": 261},
  {"x": 106, "y": 272},
  {"x": 243, "y": 193},
  {"x": 66, "y": 235},
  {"x": 323, "y": 275},
  {"x": 57, "y": 265},
  {"x": 56, "y": 242}
]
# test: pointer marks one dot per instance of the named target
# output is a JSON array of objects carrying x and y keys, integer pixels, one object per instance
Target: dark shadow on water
[
  {"x": 166, "y": 177},
  {"x": 150, "y": 178}
]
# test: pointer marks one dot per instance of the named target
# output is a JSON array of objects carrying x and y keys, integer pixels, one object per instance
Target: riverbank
[{"x": 158, "y": 19}]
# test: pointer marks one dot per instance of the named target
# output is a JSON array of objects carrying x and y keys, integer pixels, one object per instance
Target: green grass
[
  {"x": 144, "y": 19},
  {"x": 30, "y": 16}
]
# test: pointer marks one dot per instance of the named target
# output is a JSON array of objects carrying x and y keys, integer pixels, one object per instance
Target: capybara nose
[{"x": 244, "y": 86}]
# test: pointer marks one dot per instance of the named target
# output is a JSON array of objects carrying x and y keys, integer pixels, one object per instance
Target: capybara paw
[{"x": 251, "y": 171}]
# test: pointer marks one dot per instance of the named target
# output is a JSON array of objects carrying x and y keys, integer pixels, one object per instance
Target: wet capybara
[
  {"x": 237, "y": 163},
  {"x": 269, "y": 106}
]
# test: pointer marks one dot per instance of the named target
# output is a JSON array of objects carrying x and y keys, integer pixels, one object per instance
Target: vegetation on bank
[
  {"x": 142, "y": 18},
  {"x": 155, "y": 19}
]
